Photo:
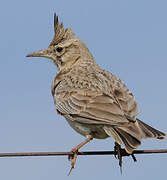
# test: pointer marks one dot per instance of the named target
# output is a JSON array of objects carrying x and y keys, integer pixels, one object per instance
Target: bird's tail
[{"x": 130, "y": 136}]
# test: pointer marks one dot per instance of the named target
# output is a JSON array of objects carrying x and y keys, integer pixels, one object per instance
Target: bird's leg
[
  {"x": 118, "y": 151},
  {"x": 72, "y": 157}
]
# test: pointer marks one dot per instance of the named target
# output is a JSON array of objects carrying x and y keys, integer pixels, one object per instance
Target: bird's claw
[
  {"x": 118, "y": 154},
  {"x": 72, "y": 157},
  {"x": 133, "y": 157}
]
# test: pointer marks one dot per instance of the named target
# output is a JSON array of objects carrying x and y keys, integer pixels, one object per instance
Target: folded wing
[{"x": 90, "y": 107}]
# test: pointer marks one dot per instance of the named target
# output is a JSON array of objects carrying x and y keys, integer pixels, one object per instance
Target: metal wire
[{"x": 23, "y": 154}]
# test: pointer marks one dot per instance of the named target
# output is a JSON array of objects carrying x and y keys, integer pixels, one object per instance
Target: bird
[{"x": 95, "y": 102}]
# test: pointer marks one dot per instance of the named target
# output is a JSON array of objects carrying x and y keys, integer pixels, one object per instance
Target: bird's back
[{"x": 95, "y": 80}]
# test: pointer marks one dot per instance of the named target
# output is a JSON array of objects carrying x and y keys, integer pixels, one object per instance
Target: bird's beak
[{"x": 41, "y": 53}]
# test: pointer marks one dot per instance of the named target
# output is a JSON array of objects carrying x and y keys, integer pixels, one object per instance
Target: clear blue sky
[{"x": 126, "y": 37}]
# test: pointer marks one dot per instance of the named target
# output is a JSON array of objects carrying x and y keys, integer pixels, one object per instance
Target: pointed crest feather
[{"x": 61, "y": 34}]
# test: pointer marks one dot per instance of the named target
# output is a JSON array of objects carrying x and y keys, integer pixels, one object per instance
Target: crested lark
[{"x": 95, "y": 102}]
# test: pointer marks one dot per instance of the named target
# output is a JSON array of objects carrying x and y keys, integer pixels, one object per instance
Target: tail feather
[
  {"x": 150, "y": 132},
  {"x": 129, "y": 141},
  {"x": 130, "y": 136}
]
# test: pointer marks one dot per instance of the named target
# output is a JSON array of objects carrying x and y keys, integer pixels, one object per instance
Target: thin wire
[{"x": 23, "y": 154}]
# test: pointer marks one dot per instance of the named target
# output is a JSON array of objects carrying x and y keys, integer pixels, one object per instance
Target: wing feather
[{"x": 96, "y": 107}]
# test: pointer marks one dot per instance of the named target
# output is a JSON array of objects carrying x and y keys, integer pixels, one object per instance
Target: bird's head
[{"x": 65, "y": 49}]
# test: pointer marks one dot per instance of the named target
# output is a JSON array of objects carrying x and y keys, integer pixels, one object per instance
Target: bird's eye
[{"x": 59, "y": 49}]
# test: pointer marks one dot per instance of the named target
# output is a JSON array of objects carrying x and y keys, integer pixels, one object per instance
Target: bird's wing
[
  {"x": 90, "y": 107},
  {"x": 123, "y": 97}
]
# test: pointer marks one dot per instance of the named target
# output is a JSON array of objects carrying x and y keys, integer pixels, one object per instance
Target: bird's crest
[{"x": 61, "y": 34}]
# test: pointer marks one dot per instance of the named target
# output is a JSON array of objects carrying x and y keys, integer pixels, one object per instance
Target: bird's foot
[
  {"x": 119, "y": 153},
  {"x": 72, "y": 157},
  {"x": 133, "y": 157},
  {"x": 74, "y": 152}
]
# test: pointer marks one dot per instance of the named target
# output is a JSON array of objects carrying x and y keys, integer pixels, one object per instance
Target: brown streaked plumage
[{"x": 95, "y": 102}]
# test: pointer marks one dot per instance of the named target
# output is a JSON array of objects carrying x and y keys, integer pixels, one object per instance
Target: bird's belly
[{"x": 95, "y": 130}]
